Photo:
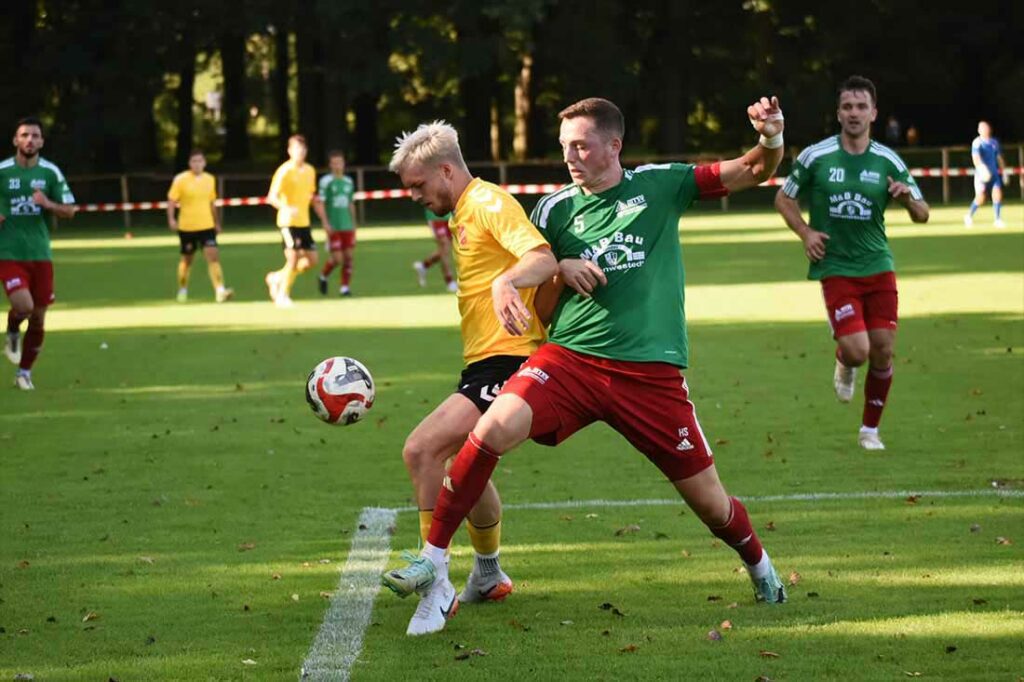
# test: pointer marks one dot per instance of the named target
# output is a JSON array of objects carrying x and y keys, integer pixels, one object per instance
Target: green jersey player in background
[
  {"x": 30, "y": 187},
  {"x": 848, "y": 180},
  {"x": 617, "y": 340},
  {"x": 336, "y": 191}
]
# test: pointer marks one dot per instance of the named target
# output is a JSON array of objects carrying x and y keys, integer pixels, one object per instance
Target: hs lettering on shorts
[
  {"x": 684, "y": 443},
  {"x": 844, "y": 312},
  {"x": 535, "y": 373}
]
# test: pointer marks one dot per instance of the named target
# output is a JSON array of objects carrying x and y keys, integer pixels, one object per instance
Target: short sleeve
[
  {"x": 213, "y": 188},
  {"x": 324, "y": 187},
  {"x": 976, "y": 145},
  {"x": 511, "y": 228},
  {"x": 61, "y": 191},
  {"x": 799, "y": 178},
  {"x": 277, "y": 180},
  {"x": 900, "y": 173}
]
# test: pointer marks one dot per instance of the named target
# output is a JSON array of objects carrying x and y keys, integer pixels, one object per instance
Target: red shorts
[
  {"x": 647, "y": 402},
  {"x": 856, "y": 304},
  {"x": 339, "y": 241},
  {"x": 34, "y": 275},
  {"x": 441, "y": 231}
]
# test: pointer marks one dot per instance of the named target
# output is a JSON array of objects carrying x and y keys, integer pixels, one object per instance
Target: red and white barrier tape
[{"x": 512, "y": 189}]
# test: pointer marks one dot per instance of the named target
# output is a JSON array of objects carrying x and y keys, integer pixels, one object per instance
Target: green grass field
[{"x": 171, "y": 510}]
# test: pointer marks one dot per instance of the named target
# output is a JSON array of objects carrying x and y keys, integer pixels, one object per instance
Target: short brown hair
[
  {"x": 300, "y": 139},
  {"x": 196, "y": 151},
  {"x": 336, "y": 153},
  {"x": 857, "y": 84},
  {"x": 606, "y": 116}
]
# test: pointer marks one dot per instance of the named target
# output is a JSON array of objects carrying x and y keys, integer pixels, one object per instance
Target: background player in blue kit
[{"x": 989, "y": 168}]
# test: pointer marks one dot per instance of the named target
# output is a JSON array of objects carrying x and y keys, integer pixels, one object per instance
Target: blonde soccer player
[
  {"x": 191, "y": 197},
  {"x": 292, "y": 191},
  {"x": 501, "y": 259}
]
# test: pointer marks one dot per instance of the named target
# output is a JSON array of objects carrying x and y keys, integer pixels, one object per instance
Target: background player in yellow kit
[{"x": 192, "y": 193}]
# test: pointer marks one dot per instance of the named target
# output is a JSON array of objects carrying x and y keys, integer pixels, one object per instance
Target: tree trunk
[
  {"x": 236, "y": 113},
  {"x": 521, "y": 133},
  {"x": 21, "y": 28},
  {"x": 335, "y": 104},
  {"x": 184, "y": 98},
  {"x": 309, "y": 57},
  {"x": 280, "y": 85}
]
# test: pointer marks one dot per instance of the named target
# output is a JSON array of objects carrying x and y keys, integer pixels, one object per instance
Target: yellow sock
[
  {"x": 288, "y": 275},
  {"x": 425, "y": 518},
  {"x": 182, "y": 274},
  {"x": 302, "y": 264},
  {"x": 485, "y": 540},
  {"x": 216, "y": 274}
]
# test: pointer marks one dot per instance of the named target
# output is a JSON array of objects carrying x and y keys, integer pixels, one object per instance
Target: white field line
[{"x": 340, "y": 638}]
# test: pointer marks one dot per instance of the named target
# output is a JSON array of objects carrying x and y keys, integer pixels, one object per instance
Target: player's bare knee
[
  {"x": 415, "y": 454},
  {"x": 22, "y": 306}
]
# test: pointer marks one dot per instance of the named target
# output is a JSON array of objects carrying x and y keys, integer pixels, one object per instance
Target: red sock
[
  {"x": 876, "y": 390},
  {"x": 461, "y": 489},
  {"x": 328, "y": 268},
  {"x": 14, "y": 322},
  {"x": 430, "y": 260},
  {"x": 346, "y": 272},
  {"x": 32, "y": 345},
  {"x": 740, "y": 535}
]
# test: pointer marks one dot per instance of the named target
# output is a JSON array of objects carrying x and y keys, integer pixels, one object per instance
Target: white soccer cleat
[
  {"x": 453, "y": 286},
  {"x": 284, "y": 301},
  {"x": 999, "y": 223},
  {"x": 434, "y": 610},
  {"x": 12, "y": 348},
  {"x": 421, "y": 272},
  {"x": 844, "y": 380},
  {"x": 968, "y": 220},
  {"x": 869, "y": 440},
  {"x": 24, "y": 382},
  {"x": 493, "y": 587},
  {"x": 181, "y": 296},
  {"x": 225, "y": 295}
]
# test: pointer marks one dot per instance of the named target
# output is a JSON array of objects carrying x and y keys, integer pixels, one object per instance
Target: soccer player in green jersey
[
  {"x": 848, "y": 180},
  {"x": 336, "y": 190},
  {"x": 30, "y": 187},
  {"x": 617, "y": 339}
]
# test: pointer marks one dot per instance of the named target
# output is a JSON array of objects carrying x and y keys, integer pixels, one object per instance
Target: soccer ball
[{"x": 340, "y": 390}]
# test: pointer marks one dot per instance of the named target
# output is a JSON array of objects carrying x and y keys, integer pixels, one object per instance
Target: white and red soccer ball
[{"x": 340, "y": 390}]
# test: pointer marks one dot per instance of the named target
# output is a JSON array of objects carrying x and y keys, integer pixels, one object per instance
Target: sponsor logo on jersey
[
  {"x": 13, "y": 183},
  {"x": 38, "y": 183},
  {"x": 849, "y": 206},
  {"x": 460, "y": 234},
  {"x": 630, "y": 206},
  {"x": 538, "y": 375},
  {"x": 24, "y": 206},
  {"x": 616, "y": 253},
  {"x": 490, "y": 200},
  {"x": 844, "y": 312},
  {"x": 870, "y": 176}
]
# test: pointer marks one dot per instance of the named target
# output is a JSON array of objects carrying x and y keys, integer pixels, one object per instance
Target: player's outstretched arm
[
  {"x": 814, "y": 241},
  {"x": 759, "y": 163},
  {"x": 533, "y": 269}
]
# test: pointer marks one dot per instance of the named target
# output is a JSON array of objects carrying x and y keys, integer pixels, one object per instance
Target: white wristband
[{"x": 773, "y": 142}]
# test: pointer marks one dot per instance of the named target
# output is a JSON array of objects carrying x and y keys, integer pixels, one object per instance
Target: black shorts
[
  {"x": 298, "y": 238},
  {"x": 482, "y": 381},
  {"x": 193, "y": 241}
]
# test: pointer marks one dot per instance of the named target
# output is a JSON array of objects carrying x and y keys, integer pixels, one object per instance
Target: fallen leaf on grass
[
  {"x": 246, "y": 546},
  {"x": 326, "y": 595},
  {"x": 715, "y": 635},
  {"x": 51, "y": 619},
  {"x": 325, "y": 561},
  {"x": 24, "y": 677},
  {"x": 733, "y": 605},
  {"x": 714, "y": 597},
  {"x": 762, "y": 678},
  {"x": 92, "y": 615},
  {"x": 812, "y": 595},
  {"x": 611, "y": 607},
  {"x": 629, "y": 649},
  {"x": 911, "y": 674},
  {"x": 1003, "y": 541},
  {"x": 566, "y": 517},
  {"x": 590, "y": 516},
  {"x": 566, "y": 622},
  {"x": 150, "y": 640},
  {"x": 722, "y": 441},
  {"x": 770, "y": 525},
  {"x": 248, "y": 661},
  {"x": 146, "y": 559},
  {"x": 275, "y": 576},
  {"x": 794, "y": 578},
  {"x": 975, "y": 528},
  {"x": 23, "y": 564},
  {"x": 726, "y": 625},
  {"x": 764, "y": 653},
  {"x": 295, "y": 597},
  {"x": 631, "y": 528},
  {"x": 686, "y": 553},
  {"x": 519, "y": 626},
  {"x": 979, "y": 602},
  {"x": 466, "y": 655},
  {"x": 950, "y": 649},
  {"x": 606, "y": 633}
]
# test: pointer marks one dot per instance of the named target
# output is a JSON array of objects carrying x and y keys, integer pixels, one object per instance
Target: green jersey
[
  {"x": 631, "y": 231},
  {"x": 848, "y": 194},
  {"x": 24, "y": 234},
  {"x": 336, "y": 193}
]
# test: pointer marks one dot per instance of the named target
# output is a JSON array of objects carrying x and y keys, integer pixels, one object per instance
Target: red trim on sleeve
[{"x": 709, "y": 181}]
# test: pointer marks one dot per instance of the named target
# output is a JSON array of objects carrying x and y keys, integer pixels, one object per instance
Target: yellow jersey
[
  {"x": 490, "y": 233},
  {"x": 195, "y": 195},
  {"x": 295, "y": 187}
]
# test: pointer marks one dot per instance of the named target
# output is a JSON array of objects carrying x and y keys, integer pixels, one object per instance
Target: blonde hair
[{"x": 429, "y": 143}]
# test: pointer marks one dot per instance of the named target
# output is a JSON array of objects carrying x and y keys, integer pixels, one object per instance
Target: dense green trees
[{"x": 117, "y": 81}]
